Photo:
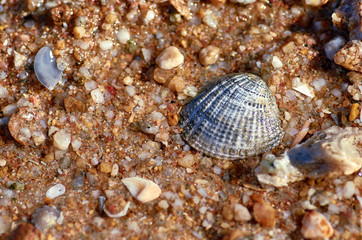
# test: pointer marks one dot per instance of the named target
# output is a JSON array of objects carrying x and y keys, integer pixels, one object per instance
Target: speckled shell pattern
[{"x": 234, "y": 118}]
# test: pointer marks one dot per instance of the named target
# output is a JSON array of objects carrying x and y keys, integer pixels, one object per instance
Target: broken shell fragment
[
  {"x": 45, "y": 67},
  {"x": 116, "y": 207},
  {"x": 142, "y": 189}
]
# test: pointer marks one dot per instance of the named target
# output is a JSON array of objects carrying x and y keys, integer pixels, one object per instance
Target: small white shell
[
  {"x": 45, "y": 67},
  {"x": 142, "y": 189},
  {"x": 55, "y": 191},
  {"x": 119, "y": 214}
]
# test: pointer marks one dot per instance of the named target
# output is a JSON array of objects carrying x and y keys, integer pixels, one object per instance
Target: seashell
[
  {"x": 55, "y": 191},
  {"x": 235, "y": 117},
  {"x": 45, "y": 67},
  {"x": 142, "y": 189}
]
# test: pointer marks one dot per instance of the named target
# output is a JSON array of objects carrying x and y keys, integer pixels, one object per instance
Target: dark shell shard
[{"x": 234, "y": 118}]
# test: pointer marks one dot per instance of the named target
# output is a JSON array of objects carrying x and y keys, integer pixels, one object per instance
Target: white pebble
[
  {"x": 61, "y": 139},
  {"x": 241, "y": 213},
  {"x": 318, "y": 83},
  {"x": 349, "y": 189},
  {"x": 76, "y": 144},
  {"x": 97, "y": 96},
  {"x": 55, "y": 191},
  {"x": 131, "y": 90},
  {"x": 163, "y": 204},
  {"x": 123, "y": 36},
  {"x": 276, "y": 62},
  {"x": 336, "y": 92},
  {"x": 90, "y": 85},
  {"x": 127, "y": 81},
  {"x": 9, "y": 109},
  {"x": 169, "y": 58},
  {"x": 3, "y": 92},
  {"x": 106, "y": 45},
  {"x": 115, "y": 170},
  {"x": 150, "y": 15},
  {"x": 210, "y": 20},
  {"x": 19, "y": 60},
  {"x": 147, "y": 53},
  {"x": 190, "y": 91}
]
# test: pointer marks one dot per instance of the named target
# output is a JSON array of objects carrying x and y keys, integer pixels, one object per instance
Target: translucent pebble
[
  {"x": 45, "y": 67},
  {"x": 55, "y": 191},
  {"x": 45, "y": 217}
]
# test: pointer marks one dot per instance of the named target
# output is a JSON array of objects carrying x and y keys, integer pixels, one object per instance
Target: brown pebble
[
  {"x": 60, "y": 14},
  {"x": 172, "y": 119},
  {"x": 235, "y": 235},
  {"x": 162, "y": 75},
  {"x": 105, "y": 167},
  {"x": 349, "y": 57},
  {"x": 264, "y": 214},
  {"x": 209, "y": 55},
  {"x": 218, "y": 3},
  {"x": 353, "y": 114},
  {"x": 316, "y": 226},
  {"x": 73, "y": 105},
  {"x": 228, "y": 208},
  {"x": 177, "y": 84},
  {"x": 25, "y": 231},
  {"x": 81, "y": 163}
]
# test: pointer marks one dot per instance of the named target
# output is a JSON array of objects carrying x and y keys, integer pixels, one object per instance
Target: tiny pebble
[
  {"x": 97, "y": 96},
  {"x": 106, "y": 45},
  {"x": 169, "y": 58},
  {"x": 276, "y": 62},
  {"x": 61, "y": 139},
  {"x": 241, "y": 213},
  {"x": 349, "y": 189},
  {"x": 131, "y": 90},
  {"x": 163, "y": 204},
  {"x": 264, "y": 214},
  {"x": 115, "y": 169},
  {"x": 210, "y": 20},
  {"x": 78, "y": 31},
  {"x": 45, "y": 217},
  {"x": 316, "y": 226},
  {"x": 55, "y": 191},
  {"x": 78, "y": 182},
  {"x": 123, "y": 36},
  {"x": 127, "y": 81},
  {"x": 105, "y": 167},
  {"x": 187, "y": 161},
  {"x": 353, "y": 114},
  {"x": 209, "y": 55}
]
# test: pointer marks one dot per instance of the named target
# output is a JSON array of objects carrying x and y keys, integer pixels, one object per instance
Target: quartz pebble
[
  {"x": 276, "y": 62},
  {"x": 187, "y": 161},
  {"x": 61, "y": 139},
  {"x": 169, "y": 58},
  {"x": 55, "y": 191},
  {"x": 123, "y": 36},
  {"x": 45, "y": 217},
  {"x": 97, "y": 96},
  {"x": 316, "y": 226},
  {"x": 241, "y": 213},
  {"x": 142, "y": 189},
  {"x": 209, "y": 55}
]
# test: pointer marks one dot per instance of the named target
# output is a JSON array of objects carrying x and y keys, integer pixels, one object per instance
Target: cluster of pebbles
[{"x": 92, "y": 143}]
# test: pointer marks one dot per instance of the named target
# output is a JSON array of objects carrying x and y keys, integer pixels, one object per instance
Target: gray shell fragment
[
  {"x": 45, "y": 67},
  {"x": 235, "y": 118}
]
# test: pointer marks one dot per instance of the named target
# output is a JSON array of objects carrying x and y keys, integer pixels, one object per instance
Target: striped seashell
[{"x": 233, "y": 118}]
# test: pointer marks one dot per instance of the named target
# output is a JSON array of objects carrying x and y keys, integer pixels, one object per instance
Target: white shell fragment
[
  {"x": 119, "y": 214},
  {"x": 45, "y": 67},
  {"x": 330, "y": 153},
  {"x": 142, "y": 189},
  {"x": 55, "y": 191}
]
